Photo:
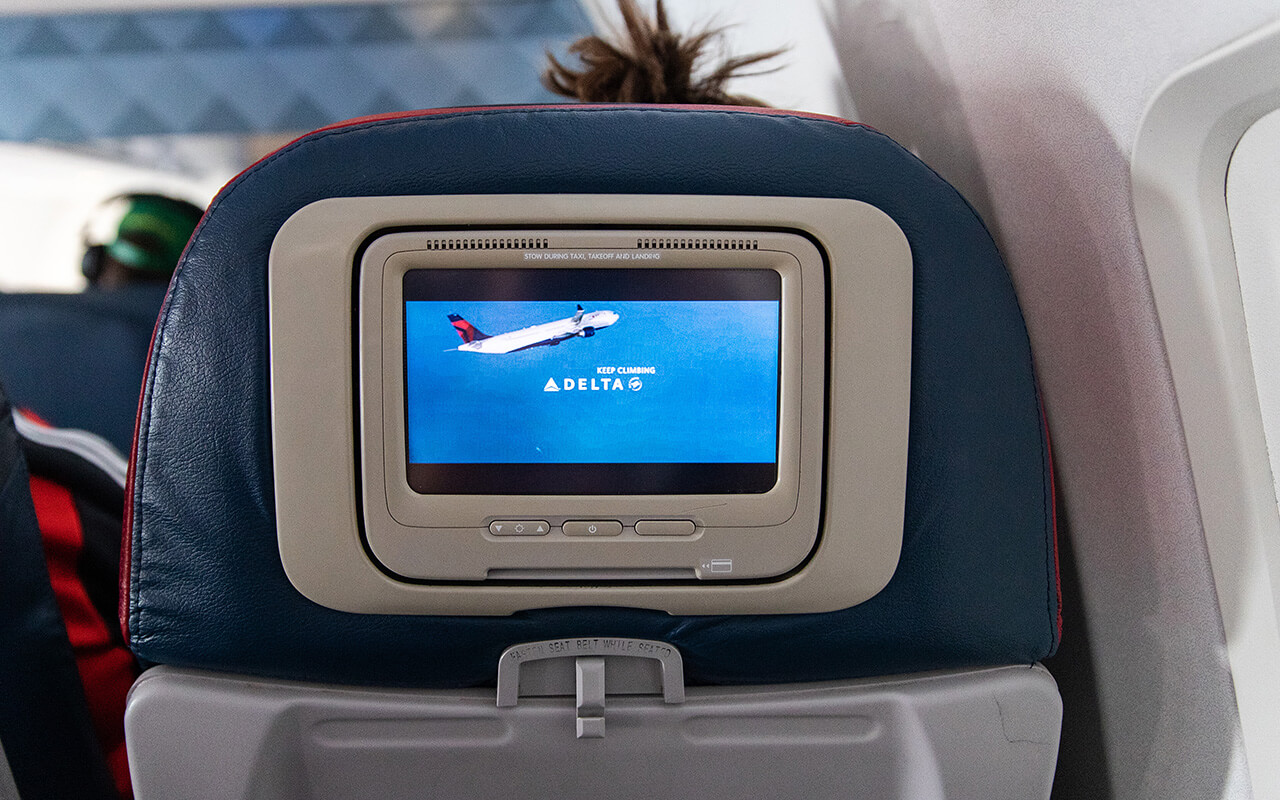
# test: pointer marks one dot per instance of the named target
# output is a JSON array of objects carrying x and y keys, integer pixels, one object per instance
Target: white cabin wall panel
[
  {"x": 1253, "y": 197},
  {"x": 1180, "y": 160},
  {"x": 1031, "y": 109}
]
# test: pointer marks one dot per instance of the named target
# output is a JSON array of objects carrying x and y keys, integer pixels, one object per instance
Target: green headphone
[{"x": 150, "y": 237}]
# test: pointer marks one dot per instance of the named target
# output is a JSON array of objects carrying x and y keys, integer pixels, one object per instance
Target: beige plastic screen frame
[
  {"x": 837, "y": 548},
  {"x": 448, "y": 537}
]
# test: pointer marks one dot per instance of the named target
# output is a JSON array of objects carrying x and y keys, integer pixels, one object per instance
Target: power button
[{"x": 606, "y": 527}]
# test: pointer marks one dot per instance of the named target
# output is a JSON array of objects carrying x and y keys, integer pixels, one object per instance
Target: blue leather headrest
[{"x": 976, "y": 583}]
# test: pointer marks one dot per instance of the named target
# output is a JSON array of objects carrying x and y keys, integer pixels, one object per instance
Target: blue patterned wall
[{"x": 77, "y": 77}]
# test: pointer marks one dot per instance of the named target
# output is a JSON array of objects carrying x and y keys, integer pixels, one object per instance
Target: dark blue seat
[
  {"x": 77, "y": 360},
  {"x": 976, "y": 583}
]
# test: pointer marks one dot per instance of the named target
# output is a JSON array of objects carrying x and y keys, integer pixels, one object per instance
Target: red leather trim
[
  {"x": 1053, "y": 499},
  {"x": 781, "y": 112},
  {"x": 126, "y": 527},
  {"x": 106, "y": 670}
]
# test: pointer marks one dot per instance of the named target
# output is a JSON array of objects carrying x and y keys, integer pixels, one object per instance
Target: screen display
[{"x": 592, "y": 381}]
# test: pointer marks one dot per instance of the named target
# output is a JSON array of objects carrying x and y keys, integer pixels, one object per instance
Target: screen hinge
[{"x": 632, "y": 662}]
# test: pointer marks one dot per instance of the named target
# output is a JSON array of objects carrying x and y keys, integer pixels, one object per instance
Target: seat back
[
  {"x": 207, "y": 594},
  {"x": 976, "y": 579}
]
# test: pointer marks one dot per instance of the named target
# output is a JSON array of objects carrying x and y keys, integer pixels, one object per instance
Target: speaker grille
[
  {"x": 697, "y": 243},
  {"x": 488, "y": 243}
]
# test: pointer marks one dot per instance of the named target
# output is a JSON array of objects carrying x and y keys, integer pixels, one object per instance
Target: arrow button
[{"x": 519, "y": 527}]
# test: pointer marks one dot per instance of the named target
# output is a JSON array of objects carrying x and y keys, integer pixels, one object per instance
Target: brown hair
[{"x": 655, "y": 66}]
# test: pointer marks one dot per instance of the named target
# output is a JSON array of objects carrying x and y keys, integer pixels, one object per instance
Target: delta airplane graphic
[{"x": 548, "y": 333}]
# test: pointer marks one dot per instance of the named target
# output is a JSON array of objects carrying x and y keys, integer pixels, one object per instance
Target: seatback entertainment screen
[
  {"x": 606, "y": 400},
  {"x": 592, "y": 381}
]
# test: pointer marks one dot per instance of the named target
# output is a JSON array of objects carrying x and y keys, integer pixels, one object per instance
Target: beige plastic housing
[
  {"x": 448, "y": 537},
  {"x": 354, "y": 537}
]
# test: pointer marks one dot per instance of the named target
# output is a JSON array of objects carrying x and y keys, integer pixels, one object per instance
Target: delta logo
[{"x": 592, "y": 385}]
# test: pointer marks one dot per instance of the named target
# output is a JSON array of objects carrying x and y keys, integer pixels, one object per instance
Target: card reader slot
[{"x": 569, "y": 574}]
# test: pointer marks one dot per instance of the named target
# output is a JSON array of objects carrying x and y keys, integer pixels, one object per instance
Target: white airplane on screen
[{"x": 548, "y": 333}]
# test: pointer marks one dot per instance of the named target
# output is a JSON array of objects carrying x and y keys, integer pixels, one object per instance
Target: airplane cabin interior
[{"x": 873, "y": 399}]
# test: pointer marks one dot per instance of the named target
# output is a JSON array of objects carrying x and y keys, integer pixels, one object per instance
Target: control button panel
[
  {"x": 606, "y": 527},
  {"x": 665, "y": 527},
  {"x": 519, "y": 527}
]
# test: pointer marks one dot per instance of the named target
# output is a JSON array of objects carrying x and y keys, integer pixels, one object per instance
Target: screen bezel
[{"x": 388, "y": 257}]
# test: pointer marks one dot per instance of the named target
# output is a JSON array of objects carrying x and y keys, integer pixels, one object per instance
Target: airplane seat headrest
[{"x": 976, "y": 579}]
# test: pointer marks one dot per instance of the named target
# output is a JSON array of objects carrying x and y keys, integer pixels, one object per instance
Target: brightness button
[{"x": 519, "y": 527}]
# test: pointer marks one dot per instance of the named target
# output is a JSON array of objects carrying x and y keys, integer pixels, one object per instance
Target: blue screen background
[{"x": 712, "y": 397}]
